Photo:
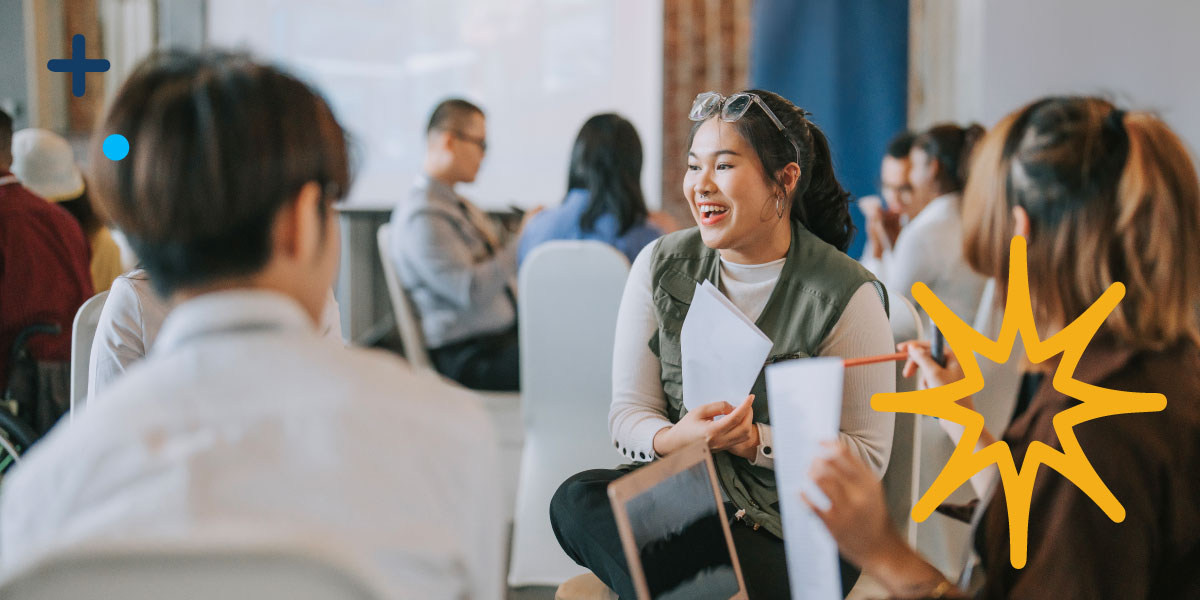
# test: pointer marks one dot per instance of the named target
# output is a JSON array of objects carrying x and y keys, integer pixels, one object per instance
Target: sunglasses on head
[{"x": 733, "y": 108}]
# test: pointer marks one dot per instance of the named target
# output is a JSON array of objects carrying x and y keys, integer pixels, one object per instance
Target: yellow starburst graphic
[{"x": 942, "y": 401}]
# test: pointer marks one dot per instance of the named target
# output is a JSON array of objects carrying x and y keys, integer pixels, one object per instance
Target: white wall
[
  {"x": 1143, "y": 55},
  {"x": 538, "y": 68}
]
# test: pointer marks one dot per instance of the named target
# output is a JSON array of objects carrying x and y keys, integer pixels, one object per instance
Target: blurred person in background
[
  {"x": 44, "y": 163},
  {"x": 44, "y": 278},
  {"x": 885, "y": 213},
  {"x": 451, "y": 259},
  {"x": 604, "y": 193},
  {"x": 129, "y": 323},
  {"x": 929, "y": 248}
]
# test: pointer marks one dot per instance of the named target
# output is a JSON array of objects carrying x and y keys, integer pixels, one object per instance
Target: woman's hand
[
  {"x": 932, "y": 374},
  {"x": 735, "y": 430},
  {"x": 857, "y": 517},
  {"x": 883, "y": 225},
  {"x": 858, "y": 521},
  {"x": 740, "y": 436}
]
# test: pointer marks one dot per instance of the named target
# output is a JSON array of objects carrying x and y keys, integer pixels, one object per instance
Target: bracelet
[{"x": 941, "y": 589}]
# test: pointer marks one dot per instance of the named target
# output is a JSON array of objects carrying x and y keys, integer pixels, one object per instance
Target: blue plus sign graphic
[{"x": 77, "y": 65}]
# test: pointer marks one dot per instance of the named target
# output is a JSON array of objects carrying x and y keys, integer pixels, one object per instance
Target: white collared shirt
[
  {"x": 129, "y": 323},
  {"x": 242, "y": 418}
]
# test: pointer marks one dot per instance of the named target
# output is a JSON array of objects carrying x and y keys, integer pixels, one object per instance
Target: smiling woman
[{"x": 773, "y": 228}]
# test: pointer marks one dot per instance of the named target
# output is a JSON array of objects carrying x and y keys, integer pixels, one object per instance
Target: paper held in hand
[
  {"x": 806, "y": 406},
  {"x": 722, "y": 350}
]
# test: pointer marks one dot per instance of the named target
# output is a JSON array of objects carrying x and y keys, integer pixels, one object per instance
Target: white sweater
[{"x": 639, "y": 408}]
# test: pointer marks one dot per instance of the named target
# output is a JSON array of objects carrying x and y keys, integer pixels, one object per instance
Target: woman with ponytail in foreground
[
  {"x": 1101, "y": 196},
  {"x": 773, "y": 227}
]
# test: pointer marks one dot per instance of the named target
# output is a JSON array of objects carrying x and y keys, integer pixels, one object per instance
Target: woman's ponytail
[
  {"x": 823, "y": 206},
  {"x": 951, "y": 146}
]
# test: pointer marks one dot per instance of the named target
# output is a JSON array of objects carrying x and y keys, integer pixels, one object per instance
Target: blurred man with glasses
[
  {"x": 452, "y": 261},
  {"x": 885, "y": 215}
]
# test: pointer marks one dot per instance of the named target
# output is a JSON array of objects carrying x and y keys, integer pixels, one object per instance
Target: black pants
[
  {"x": 583, "y": 522},
  {"x": 491, "y": 362}
]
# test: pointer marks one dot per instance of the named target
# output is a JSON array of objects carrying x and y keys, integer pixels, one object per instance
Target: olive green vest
[{"x": 814, "y": 287}]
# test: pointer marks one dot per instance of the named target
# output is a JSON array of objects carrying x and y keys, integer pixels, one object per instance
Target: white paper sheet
[
  {"x": 806, "y": 406},
  {"x": 722, "y": 350}
]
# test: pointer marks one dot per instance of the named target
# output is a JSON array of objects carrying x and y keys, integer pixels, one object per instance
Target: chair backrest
[
  {"x": 997, "y": 400},
  {"x": 83, "y": 333},
  {"x": 901, "y": 482},
  {"x": 407, "y": 319},
  {"x": 193, "y": 573},
  {"x": 569, "y": 295},
  {"x": 905, "y": 318}
]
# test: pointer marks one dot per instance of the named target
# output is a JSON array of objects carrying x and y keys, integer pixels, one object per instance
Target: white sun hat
[{"x": 45, "y": 163}]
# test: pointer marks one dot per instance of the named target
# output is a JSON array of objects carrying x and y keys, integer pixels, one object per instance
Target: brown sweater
[{"x": 1150, "y": 462}]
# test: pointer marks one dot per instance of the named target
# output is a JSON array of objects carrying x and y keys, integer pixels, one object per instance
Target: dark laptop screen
[{"x": 677, "y": 529}]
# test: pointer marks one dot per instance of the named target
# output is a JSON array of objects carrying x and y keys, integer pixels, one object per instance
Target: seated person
[
  {"x": 773, "y": 225},
  {"x": 451, "y": 260},
  {"x": 604, "y": 193},
  {"x": 1118, "y": 191},
  {"x": 929, "y": 248},
  {"x": 45, "y": 163},
  {"x": 885, "y": 212},
  {"x": 243, "y": 419},
  {"x": 44, "y": 276},
  {"x": 130, "y": 321}
]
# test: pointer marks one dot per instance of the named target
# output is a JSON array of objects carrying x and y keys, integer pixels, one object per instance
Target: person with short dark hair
[
  {"x": 604, "y": 193},
  {"x": 44, "y": 276},
  {"x": 885, "y": 213},
  {"x": 243, "y": 420},
  {"x": 452, "y": 261}
]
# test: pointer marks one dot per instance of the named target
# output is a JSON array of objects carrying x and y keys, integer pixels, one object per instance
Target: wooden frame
[{"x": 625, "y": 489}]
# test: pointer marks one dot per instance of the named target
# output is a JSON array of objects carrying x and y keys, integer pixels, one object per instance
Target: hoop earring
[{"x": 779, "y": 206}]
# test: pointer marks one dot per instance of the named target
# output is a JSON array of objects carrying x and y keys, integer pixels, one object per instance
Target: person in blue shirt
[{"x": 604, "y": 193}]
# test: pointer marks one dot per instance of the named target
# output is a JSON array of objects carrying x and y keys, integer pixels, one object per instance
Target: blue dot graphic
[{"x": 116, "y": 147}]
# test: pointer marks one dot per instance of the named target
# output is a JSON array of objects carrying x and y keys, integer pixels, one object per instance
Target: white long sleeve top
[{"x": 639, "y": 407}]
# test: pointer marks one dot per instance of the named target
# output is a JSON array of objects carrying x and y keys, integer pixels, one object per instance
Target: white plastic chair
[
  {"x": 942, "y": 540},
  {"x": 570, "y": 292},
  {"x": 406, "y": 316},
  {"x": 999, "y": 397},
  {"x": 901, "y": 480},
  {"x": 83, "y": 333},
  {"x": 200, "y": 572}
]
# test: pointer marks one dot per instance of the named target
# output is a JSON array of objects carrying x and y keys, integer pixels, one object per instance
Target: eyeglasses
[
  {"x": 481, "y": 142},
  {"x": 733, "y": 108}
]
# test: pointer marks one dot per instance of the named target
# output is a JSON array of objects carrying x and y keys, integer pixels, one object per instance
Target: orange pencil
[{"x": 870, "y": 360}]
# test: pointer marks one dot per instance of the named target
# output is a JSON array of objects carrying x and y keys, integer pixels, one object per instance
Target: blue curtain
[{"x": 846, "y": 61}]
